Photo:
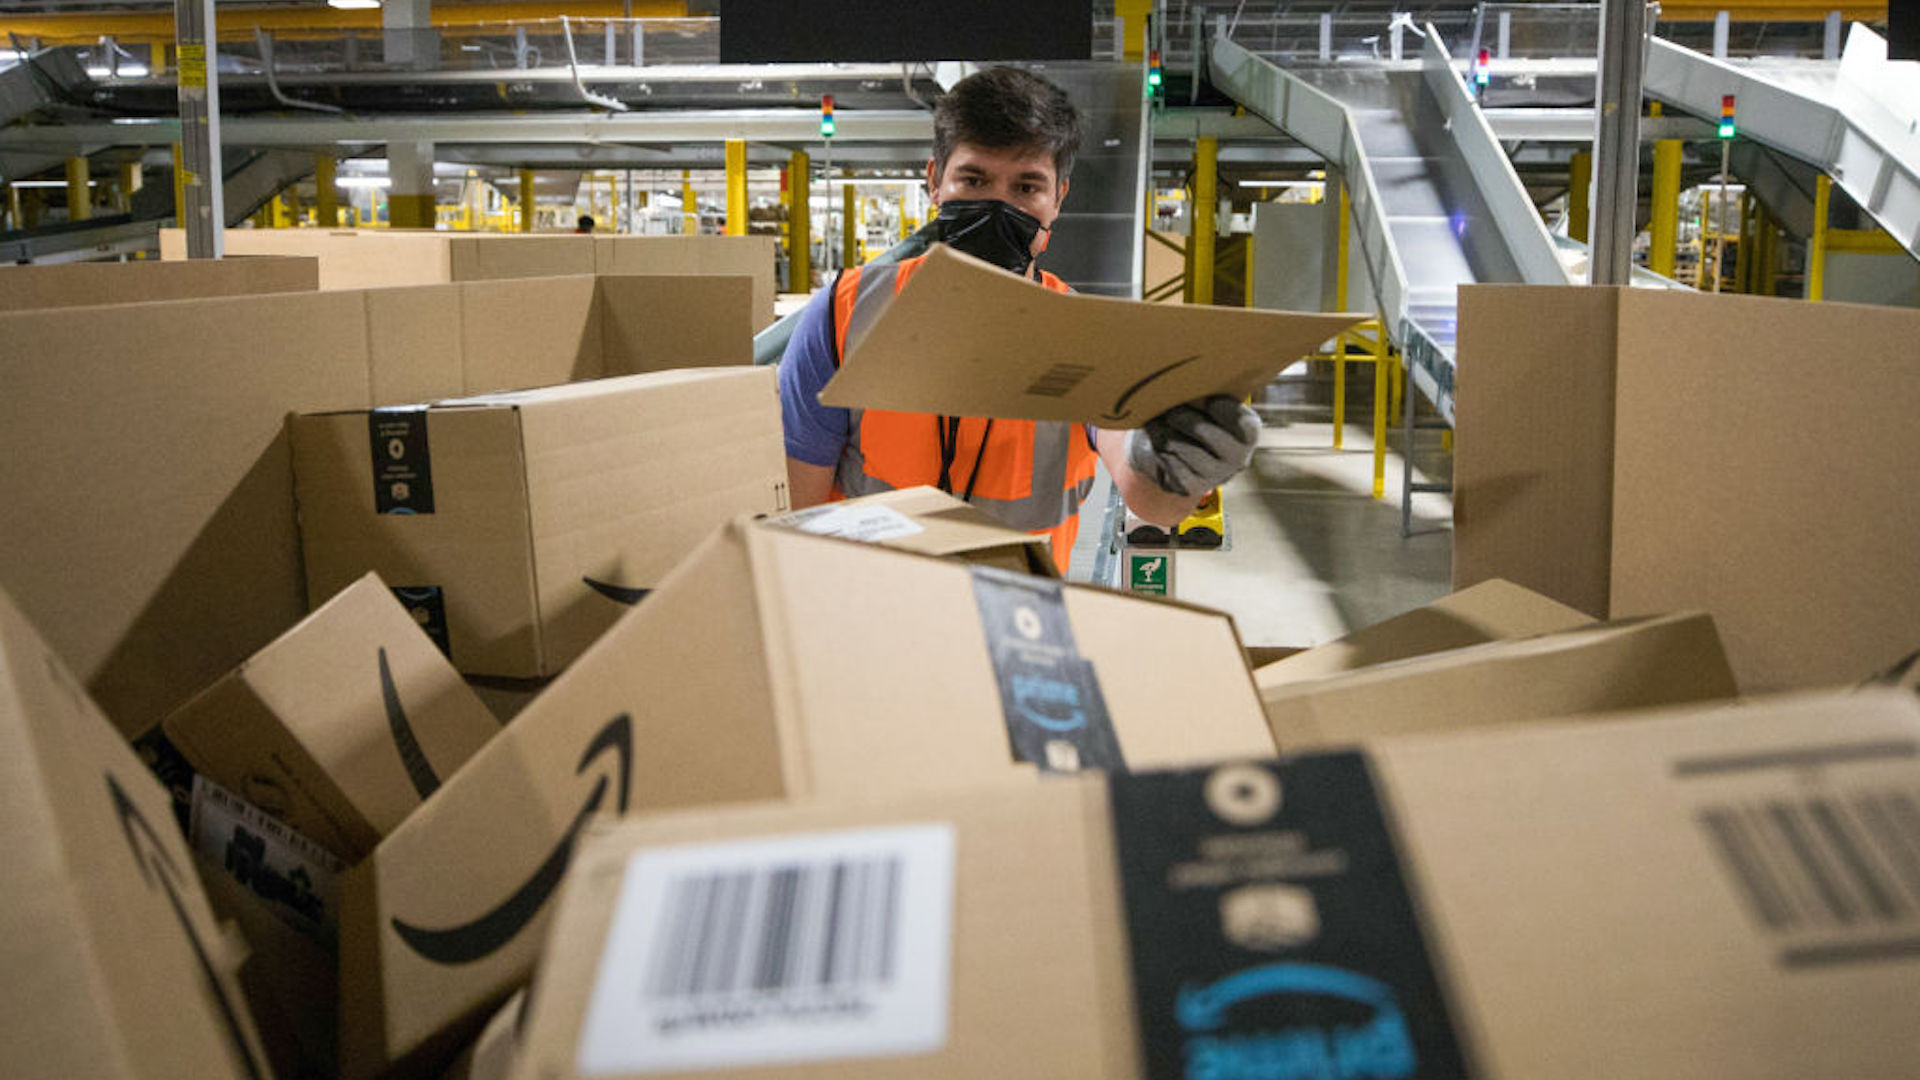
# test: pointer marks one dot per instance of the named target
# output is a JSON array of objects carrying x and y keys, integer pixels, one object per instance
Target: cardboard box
[
  {"x": 505, "y": 698},
  {"x": 25, "y": 288},
  {"x": 1044, "y": 355},
  {"x": 1631, "y": 664},
  {"x": 1627, "y": 451},
  {"x": 1431, "y": 906},
  {"x": 931, "y": 522},
  {"x": 290, "y": 980},
  {"x": 115, "y": 965},
  {"x": 341, "y": 726},
  {"x": 770, "y": 664},
  {"x": 379, "y": 258},
  {"x": 150, "y": 534},
  {"x": 1493, "y": 610},
  {"x": 491, "y": 1056},
  {"x": 523, "y": 524}
]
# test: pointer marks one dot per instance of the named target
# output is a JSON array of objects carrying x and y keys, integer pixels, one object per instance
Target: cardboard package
[
  {"x": 770, "y": 664},
  {"x": 341, "y": 726},
  {"x": 1493, "y": 610},
  {"x": 25, "y": 288},
  {"x": 931, "y": 522},
  {"x": 523, "y": 524},
  {"x": 115, "y": 965},
  {"x": 1450, "y": 905},
  {"x": 1628, "y": 451},
  {"x": 504, "y": 698},
  {"x": 290, "y": 980},
  {"x": 370, "y": 258},
  {"x": 1630, "y": 664},
  {"x": 1043, "y": 355},
  {"x": 152, "y": 536}
]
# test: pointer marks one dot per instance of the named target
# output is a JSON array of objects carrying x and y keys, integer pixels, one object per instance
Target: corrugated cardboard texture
[
  {"x": 27, "y": 288},
  {"x": 490, "y": 257},
  {"x": 1533, "y": 452},
  {"x": 115, "y": 967},
  {"x": 290, "y": 980},
  {"x": 1038, "y": 986},
  {"x": 951, "y": 527},
  {"x": 1637, "y": 664},
  {"x": 963, "y": 338},
  {"x": 348, "y": 259},
  {"x": 769, "y": 664},
  {"x": 306, "y": 720},
  {"x": 1493, "y": 610},
  {"x": 150, "y": 532},
  {"x": 1590, "y": 928},
  {"x": 727, "y": 255},
  {"x": 1762, "y": 472},
  {"x": 656, "y": 322}
]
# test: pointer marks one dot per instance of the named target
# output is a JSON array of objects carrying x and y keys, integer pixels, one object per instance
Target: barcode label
[
  {"x": 817, "y": 947},
  {"x": 870, "y": 524},
  {"x": 291, "y": 875},
  {"x": 1059, "y": 380},
  {"x": 1823, "y": 863}
]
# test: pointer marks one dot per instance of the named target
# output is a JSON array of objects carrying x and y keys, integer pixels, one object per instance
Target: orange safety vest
[{"x": 1028, "y": 475}]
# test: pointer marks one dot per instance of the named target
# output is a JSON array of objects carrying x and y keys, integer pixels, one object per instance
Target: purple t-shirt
[{"x": 815, "y": 433}]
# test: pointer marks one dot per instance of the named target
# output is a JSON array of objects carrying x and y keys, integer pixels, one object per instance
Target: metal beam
[
  {"x": 197, "y": 130},
  {"x": 1616, "y": 140}
]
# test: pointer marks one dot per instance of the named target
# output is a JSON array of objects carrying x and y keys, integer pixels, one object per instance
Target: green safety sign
[{"x": 1150, "y": 572}]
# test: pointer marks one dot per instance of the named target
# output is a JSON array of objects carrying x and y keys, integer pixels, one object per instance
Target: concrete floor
[{"x": 1309, "y": 554}]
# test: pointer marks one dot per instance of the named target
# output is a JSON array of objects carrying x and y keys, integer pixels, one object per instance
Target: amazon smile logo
[
  {"x": 1377, "y": 1048},
  {"x": 618, "y": 593},
  {"x": 1122, "y": 409},
  {"x": 484, "y": 935},
  {"x": 159, "y": 871},
  {"x": 419, "y": 769}
]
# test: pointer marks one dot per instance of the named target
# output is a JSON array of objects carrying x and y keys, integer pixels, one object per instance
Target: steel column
[
  {"x": 689, "y": 205},
  {"x": 1206, "y": 164},
  {"x": 1817, "y": 243},
  {"x": 203, "y": 207},
  {"x": 800, "y": 223},
  {"x": 1579, "y": 192},
  {"x": 736, "y": 187},
  {"x": 79, "y": 189},
  {"x": 1665, "y": 226},
  {"x": 326, "y": 201},
  {"x": 1616, "y": 140},
  {"x": 849, "y": 224},
  {"x": 526, "y": 200}
]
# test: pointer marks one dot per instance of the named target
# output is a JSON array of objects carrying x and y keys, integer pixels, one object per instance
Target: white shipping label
[
  {"x": 805, "y": 948},
  {"x": 870, "y": 524}
]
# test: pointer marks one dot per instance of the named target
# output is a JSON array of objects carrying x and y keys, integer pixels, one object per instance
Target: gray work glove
[{"x": 1193, "y": 448}]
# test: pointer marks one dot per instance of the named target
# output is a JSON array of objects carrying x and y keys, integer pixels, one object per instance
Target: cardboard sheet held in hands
[{"x": 962, "y": 338}]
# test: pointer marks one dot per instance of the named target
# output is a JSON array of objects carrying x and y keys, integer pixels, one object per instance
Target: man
[
  {"x": 1004, "y": 141},
  {"x": 583, "y": 224}
]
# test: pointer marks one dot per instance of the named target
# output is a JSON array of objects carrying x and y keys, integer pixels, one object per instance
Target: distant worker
[
  {"x": 1004, "y": 141},
  {"x": 583, "y": 223}
]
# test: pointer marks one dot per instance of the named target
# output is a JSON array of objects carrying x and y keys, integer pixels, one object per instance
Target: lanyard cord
[{"x": 950, "y": 448}]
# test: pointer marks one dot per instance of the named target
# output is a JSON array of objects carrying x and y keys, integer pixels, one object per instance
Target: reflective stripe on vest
[{"x": 1033, "y": 476}]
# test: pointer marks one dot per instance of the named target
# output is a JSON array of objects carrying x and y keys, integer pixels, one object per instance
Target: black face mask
[{"x": 990, "y": 229}]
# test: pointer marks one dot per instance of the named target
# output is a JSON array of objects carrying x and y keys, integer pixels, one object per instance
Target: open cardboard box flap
[{"x": 962, "y": 338}]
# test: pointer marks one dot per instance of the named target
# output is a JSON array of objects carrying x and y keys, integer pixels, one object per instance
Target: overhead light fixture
[
  {"x": 46, "y": 183},
  {"x": 353, "y": 5},
  {"x": 364, "y": 181}
]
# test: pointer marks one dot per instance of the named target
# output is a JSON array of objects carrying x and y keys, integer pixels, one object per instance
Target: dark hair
[
  {"x": 1006, "y": 108},
  {"x": 583, "y": 223}
]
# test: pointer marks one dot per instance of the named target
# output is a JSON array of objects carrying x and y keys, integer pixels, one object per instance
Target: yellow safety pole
[
  {"x": 1206, "y": 161},
  {"x": 130, "y": 177},
  {"x": 179, "y": 187},
  {"x": 1579, "y": 181},
  {"x": 1133, "y": 27},
  {"x": 689, "y": 205},
  {"x": 849, "y": 225},
  {"x": 1340, "y": 342},
  {"x": 1665, "y": 226},
  {"x": 800, "y": 222},
  {"x": 1817, "y": 243},
  {"x": 79, "y": 191},
  {"x": 526, "y": 200},
  {"x": 736, "y": 187},
  {"x": 1382, "y": 361},
  {"x": 15, "y": 217},
  {"x": 326, "y": 196}
]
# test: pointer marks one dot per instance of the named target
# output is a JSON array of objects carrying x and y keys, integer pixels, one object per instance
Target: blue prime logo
[
  {"x": 1377, "y": 1049},
  {"x": 1049, "y": 703}
]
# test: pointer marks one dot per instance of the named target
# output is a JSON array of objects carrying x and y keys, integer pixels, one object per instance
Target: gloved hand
[{"x": 1192, "y": 448}]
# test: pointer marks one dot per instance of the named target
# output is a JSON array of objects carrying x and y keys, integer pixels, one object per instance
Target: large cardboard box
[
  {"x": 931, "y": 522},
  {"x": 1494, "y": 610},
  {"x": 114, "y": 964},
  {"x": 24, "y": 288},
  {"x": 771, "y": 664},
  {"x": 371, "y": 258},
  {"x": 525, "y": 523},
  {"x": 1713, "y": 894},
  {"x": 341, "y": 726},
  {"x": 1631, "y": 664},
  {"x": 1042, "y": 355},
  {"x": 149, "y": 529},
  {"x": 1627, "y": 451}
]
